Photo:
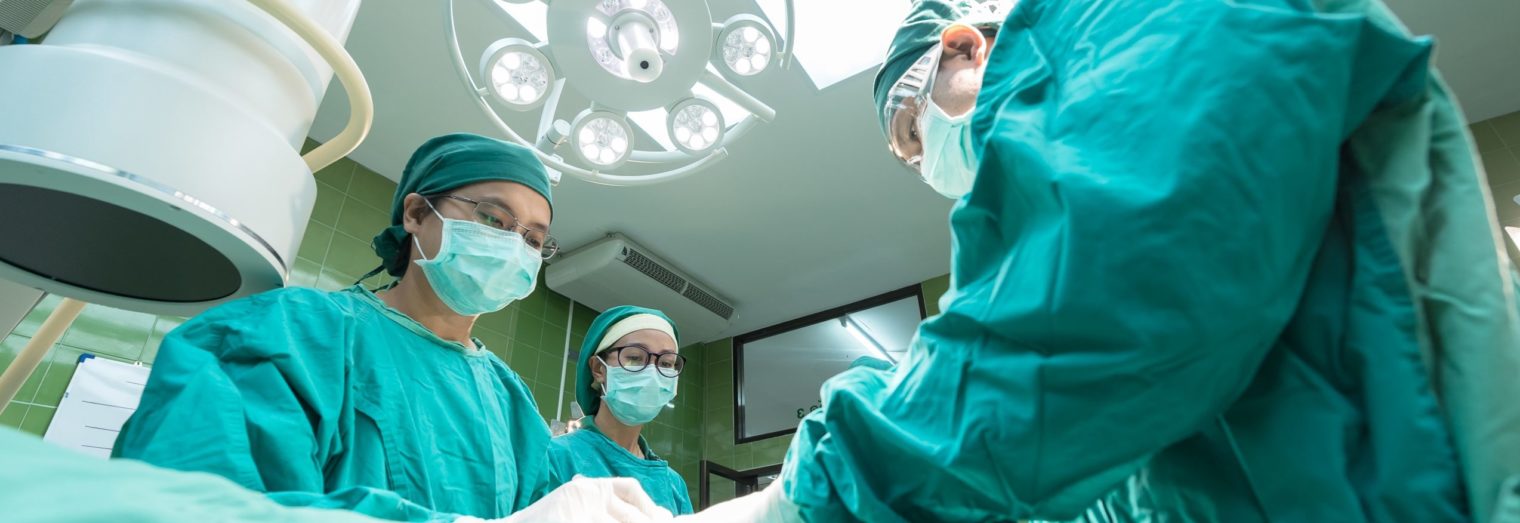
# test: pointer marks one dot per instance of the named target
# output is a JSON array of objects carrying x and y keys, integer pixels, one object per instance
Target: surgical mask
[
  {"x": 636, "y": 397},
  {"x": 478, "y": 268},
  {"x": 949, "y": 162}
]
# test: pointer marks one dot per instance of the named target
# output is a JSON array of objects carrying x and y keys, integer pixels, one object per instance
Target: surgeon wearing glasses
[
  {"x": 628, "y": 368},
  {"x": 382, "y": 402}
]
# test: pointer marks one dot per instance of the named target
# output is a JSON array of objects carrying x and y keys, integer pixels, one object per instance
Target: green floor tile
[{"x": 34, "y": 319}]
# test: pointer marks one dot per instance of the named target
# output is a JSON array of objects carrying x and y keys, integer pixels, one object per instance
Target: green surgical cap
[
  {"x": 918, "y": 33},
  {"x": 449, "y": 162},
  {"x": 588, "y": 399}
]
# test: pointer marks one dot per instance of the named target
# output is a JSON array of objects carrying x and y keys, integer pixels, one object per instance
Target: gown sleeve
[
  {"x": 255, "y": 391},
  {"x": 1155, "y": 179}
]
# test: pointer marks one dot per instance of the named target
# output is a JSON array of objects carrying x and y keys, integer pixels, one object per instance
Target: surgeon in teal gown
[
  {"x": 1222, "y": 261},
  {"x": 376, "y": 402},
  {"x": 606, "y": 445}
]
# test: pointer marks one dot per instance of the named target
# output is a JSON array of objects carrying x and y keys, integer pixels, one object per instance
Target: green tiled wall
[
  {"x": 1499, "y": 145},
  {"x": 352, "y": 205}
]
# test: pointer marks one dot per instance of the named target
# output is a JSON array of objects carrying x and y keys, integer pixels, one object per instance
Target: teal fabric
[
  {"x": 48, "y": 483},
  {"x": 590, "y": 400},
  {"x": 334, "y": 400},
  {"x": 449, "y": 162},
  {"x": 1204, "y": 271},
  {"x": 588, "y": 452}
]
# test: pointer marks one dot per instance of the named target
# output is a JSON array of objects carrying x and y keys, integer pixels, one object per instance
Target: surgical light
[
  {"x": 695, "y": 125},
  {"x": 746, "y": 44},
  {"x": 602, "y": 138},
  {"x": 629, "y": 61},
  {"x": 517, "y": 72}
]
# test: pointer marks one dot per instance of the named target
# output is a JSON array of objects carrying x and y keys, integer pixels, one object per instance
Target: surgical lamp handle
[{"x": 361, "y": 105}]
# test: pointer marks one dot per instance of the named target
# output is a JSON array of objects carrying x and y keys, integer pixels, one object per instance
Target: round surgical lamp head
[
  {"x": 746, "y": 44},
  {"x": 517, "y": 73},
  {"x": 695, "y": 125},
  {"x": 635, "y": 37},
  {"x": 601, "y": 139}
]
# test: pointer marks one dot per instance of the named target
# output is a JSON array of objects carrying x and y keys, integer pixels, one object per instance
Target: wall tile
[
  {"x": 522, "y": 359},
  {"x": 1486, "y": 137},
  {"x": 361, "y": 221},
  {"x": 315, "y": 242},
  {"x": 329, "y": 205},
  {"x": 932, "y": 290},
  {"x": 338, "y": 174},
  {"x": 37, "y": 420},
  {"x": 161, "y": 328},
  {"x": 529, "y": 331},
  {"x": 372, "y": 189},
  {"x": 55, "y": 380},
  {"x": 304, "y": 273},
  {"x": 13, "y": 414},
  {"x": 34, "y": 319},
  {"x": 556, "y": 309},
  {"x": 500, "y": 321},
  {"x": 350, "y": 256},
  {"x": 1508, "y": 128},
  {"x": 114, "y": 332},
  {"x": 332, "y": 280},
  {"x": 1502, "y": 166}
]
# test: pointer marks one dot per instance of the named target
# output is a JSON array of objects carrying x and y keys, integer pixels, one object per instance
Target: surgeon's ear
[
  {"x": 598, "y": 372},
  {"x": 414, "y": 209},
  {"x": 961, "y": 40}
]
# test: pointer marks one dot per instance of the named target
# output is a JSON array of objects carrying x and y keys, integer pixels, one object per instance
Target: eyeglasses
[
  {"x": 635, "y": 358},
  {"x": 492, "y": 215}
]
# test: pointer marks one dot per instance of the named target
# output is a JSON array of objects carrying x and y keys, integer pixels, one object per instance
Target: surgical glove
[
  {"x": 583, "y": 499},
  {"x": 767, "y": 506}
]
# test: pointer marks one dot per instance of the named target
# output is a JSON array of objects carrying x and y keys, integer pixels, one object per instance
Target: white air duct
[
  {"x": 614, "y": 271},
  {"x": 150, "y": 151}
]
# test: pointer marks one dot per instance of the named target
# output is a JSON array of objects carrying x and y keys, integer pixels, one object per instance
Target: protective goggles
[{"x": 909, "y": 97}]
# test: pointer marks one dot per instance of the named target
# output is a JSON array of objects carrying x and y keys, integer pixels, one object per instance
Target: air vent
[
  {"x": 707, "y": 301},
  {"x": 653, "y": 270}
]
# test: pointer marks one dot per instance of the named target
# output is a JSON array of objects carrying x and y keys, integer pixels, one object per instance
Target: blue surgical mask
[
  {"x": 949, "y": 163},
  {"x": 478, "y": 268},
  {"x": 636, "y": 397}
]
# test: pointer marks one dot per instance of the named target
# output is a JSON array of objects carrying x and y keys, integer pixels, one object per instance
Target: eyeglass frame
[
  {"x": 681, "y": 360},
  {"x": 515, "y": 227}
]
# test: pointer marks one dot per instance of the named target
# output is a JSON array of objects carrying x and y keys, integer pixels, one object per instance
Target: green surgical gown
[
  {"x": 45, "y": 483},
  {"x": 588, "y": 452},
  {"x": 1222, "y": 261},
  {"x": 333, "y": 399}
]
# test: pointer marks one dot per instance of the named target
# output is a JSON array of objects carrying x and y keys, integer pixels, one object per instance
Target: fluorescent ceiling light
[
  {"x": 1514, "y": 235},
  {"x": 865, "y": 339},
  {"x": 533, "y": 16},
  {"x": 837, "y": 39}
]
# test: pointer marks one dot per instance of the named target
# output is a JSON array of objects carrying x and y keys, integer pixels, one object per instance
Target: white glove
[
  {"x": 583, "y": 499},
  {"x": 767, "y": 506}
]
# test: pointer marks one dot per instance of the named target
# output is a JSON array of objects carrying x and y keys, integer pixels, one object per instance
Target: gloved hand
[
  {"x": 767, "y": 506},
  {"x": 583, "y": 499}
]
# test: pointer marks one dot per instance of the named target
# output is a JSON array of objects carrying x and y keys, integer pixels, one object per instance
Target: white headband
[{"x": 631, "y": 324}]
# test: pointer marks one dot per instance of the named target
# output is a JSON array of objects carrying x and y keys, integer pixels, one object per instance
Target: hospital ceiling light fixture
[
  {"x": 747, "y": 44},
  {"x": 865, "y": 338},
  {"x": 602, "y": 138},
  {"x": 626, "y": 58},
  {"x": 695, "y": 125}
]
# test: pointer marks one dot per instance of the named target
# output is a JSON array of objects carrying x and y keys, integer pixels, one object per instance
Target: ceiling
[{"x": 808, "y": 212}]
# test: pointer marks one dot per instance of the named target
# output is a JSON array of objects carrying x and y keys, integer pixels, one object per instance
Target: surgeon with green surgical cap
[
  {"x": 629, "y": 364},
  {"x": 1214, "y": 261},
  {"x": 381, "y": 402}
]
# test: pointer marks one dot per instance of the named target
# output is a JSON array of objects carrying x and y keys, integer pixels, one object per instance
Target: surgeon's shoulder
[{"x": 276, "y": 313}]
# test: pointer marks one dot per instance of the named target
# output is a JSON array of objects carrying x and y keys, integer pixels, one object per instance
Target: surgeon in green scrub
[
  {"x": 1217, "y": 261},
  {"x": 381, "y": 402},
  {"x": 629, "y": 364}
]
